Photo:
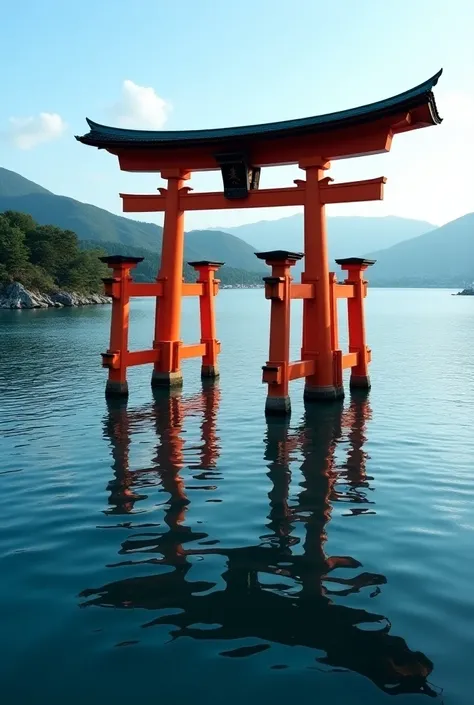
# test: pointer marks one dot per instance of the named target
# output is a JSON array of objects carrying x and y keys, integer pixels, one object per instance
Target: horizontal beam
[
  {"x": 350, "y": 192},
  {"x": 353, "y": 191},
  {"x": 349, "y": 360},
  {"x": 197, "y": 350},
  {"x": 265, "y": 198},
  {"x": 156, "y": 289},
  {"x": 344, "y": 291},
  {"x": 135, "y": 203},
  {"x": 302, "y": 291},
  {"x": 192, "y": 289},
  {"x": 301, "y": 368},
  {"x": 146, "y": 289},
  {"x": 141, "y": 357}
]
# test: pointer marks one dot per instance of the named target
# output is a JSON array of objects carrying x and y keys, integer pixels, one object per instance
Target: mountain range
[
  {"x": 97, "y": 224},
  {"x": 347, "y": 235},
  {"x": 408, "y": 252},
  {"x": 441, "y": 257}
]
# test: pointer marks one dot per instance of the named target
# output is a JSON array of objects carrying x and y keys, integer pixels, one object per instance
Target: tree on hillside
[
  {"x": 20, "y": 220},
  {"x": 46, "y": 257},
  {"x": 146, "y": 271},
  {"x": 53, "y": 249},
  {"x": 13, "y": 251}
]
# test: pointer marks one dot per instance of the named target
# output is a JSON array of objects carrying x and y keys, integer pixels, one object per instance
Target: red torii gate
[{"x": 240, "y": 153}]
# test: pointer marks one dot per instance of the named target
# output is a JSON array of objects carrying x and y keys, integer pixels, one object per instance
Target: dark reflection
[
  {"x": 284, "y": 589},
  {"x": 117, "y": 427},
  {"x": 353, "y": 471},
  {"x": 167, "y": 413}
]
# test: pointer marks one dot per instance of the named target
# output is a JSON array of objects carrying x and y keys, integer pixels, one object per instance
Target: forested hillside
[
  {"x": 45, "y": 257},
  {"x": 96, "y": 224},
  {"x": 146, "y": 271}
]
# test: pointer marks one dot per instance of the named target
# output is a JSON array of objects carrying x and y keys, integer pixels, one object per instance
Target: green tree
[
  {"x": 53, "y": 249},
  {"x": 24, "y": 221},
  {"x": 4, "y": 276},
  {"x": 13, "y": 252},
  {"x": 85, "y": 272},
  {"x": 46, "y": 257}
]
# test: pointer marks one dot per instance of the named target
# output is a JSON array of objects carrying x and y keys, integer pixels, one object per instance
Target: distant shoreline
[
  {"x": 241, "y": 286},
  {"x": 16, "y": 297},
  {"x": 371, "y": 286}
]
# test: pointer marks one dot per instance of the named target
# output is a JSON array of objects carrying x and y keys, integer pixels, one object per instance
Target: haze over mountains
[
  {"x": 408, "y": 252},
  {"x": 347, "y": 235},
  {"x": 442, "y": 257}
]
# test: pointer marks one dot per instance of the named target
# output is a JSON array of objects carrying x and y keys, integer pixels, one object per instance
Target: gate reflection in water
[{"x": 271, "y": 592}]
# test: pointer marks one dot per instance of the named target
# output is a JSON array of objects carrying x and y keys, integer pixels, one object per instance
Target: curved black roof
[{"x": 105, "y": 136}]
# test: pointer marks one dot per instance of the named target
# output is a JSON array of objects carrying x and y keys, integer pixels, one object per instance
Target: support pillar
[
  {"x": 278, "y": 290},
  {"x": 355, "y": 268},
  {"x": 337, "y": 356},
  {"x": 167, "y": 371},
  {"x": 317, "y": 343},
  {"x": 210, "y": 286},
  {"x": 117, "y": 287}
]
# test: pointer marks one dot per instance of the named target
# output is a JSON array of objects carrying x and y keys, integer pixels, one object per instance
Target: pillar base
[
  {"x": 359, "y": 382},
  {"x": 323, "y": 394},
  {"x": 116, "y": 389},
  {"x": 210, "y": 372},
  {"x": 166, "y": 380},
  {"x": 278, "y": 406}
]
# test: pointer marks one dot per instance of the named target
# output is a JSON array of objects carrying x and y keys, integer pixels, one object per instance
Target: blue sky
[{"x": 210, "y": 63}]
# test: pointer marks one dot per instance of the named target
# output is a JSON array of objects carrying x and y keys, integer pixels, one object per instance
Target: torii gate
[{"x": 240, "y": 153}]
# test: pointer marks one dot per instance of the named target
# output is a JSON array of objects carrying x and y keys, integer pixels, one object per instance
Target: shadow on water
[{"x": 277, "y": 591}]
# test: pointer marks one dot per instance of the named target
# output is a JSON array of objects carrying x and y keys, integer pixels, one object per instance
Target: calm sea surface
[{"x": 182, "y": 550}]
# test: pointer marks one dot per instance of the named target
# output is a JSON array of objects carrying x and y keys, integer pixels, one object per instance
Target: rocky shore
[
  {"x": 466, "y": 292},
  {"x": 15, "y": 296}
]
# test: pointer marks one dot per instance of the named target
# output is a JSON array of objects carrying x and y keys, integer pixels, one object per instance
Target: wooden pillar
[
  {"x": 167, "y": 371},
  {"x": 210, "y": 286},
  {"x": 355, "y": 267},
  {"x": 278, "y": 290},
  {"x": 334, "y": 316},
  {"x": 317, "y": 343},
  {"x": 336, "y": 351},
  {"x": 115, "y": 359}
]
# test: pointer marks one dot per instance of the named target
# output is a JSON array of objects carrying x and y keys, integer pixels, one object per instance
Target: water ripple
[{"x": 331, "y": 552}]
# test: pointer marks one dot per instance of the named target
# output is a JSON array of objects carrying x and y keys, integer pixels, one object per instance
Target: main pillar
[
  {"x": 276, "y": 373},
  {"x": 355, "y": 268},
  {"x": 117, "y": 287},
  {"x": 317, "y": 342},
  {"x": 167, "y": 371},
  {"x": 210, "y": 286}
]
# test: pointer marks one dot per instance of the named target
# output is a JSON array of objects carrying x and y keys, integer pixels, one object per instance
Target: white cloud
[
  {"x": 29, "y": 132},
  {"x": 140, "y": 107}
]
